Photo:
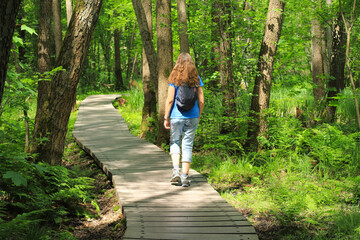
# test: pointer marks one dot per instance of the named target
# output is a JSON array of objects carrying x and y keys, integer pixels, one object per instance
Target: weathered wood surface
[{"x": 141, "y": 173}]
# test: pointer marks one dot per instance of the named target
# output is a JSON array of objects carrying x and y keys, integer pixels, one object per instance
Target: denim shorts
[{"x": 184, "y": 128}]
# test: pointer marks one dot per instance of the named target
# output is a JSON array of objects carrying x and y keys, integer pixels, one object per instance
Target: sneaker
[
  {"x": 175, "y": 179},
  {"x": 185, "y": 182}
]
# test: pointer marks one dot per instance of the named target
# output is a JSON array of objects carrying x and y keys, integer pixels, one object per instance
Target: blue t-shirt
[{"x": 192, "y": 113}]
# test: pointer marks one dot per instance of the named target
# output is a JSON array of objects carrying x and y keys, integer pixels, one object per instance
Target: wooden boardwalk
[{"x": 141, "y": 172}]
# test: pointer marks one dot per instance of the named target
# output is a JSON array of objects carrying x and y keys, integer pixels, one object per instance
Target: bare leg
[
  {"x": 186, "y": 167},
  {"x": 175, "y": 159}
]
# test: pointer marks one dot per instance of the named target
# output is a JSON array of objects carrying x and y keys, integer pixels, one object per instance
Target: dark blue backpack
[{"x": 186, "y": 97}]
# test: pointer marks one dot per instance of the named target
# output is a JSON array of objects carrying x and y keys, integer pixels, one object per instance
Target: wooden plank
[
  {"x": 183, "y": 213},
  {"x": 197, "y": 224},
  {"x": 188, "y": 236},
  {"x": 183, "y": 218},
  {"x": 198, "y": 230}
]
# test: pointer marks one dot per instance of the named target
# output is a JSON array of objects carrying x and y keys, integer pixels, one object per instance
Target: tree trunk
[
  {"x": 69, "y": 11},
  {"x": 64, "y": 83},
  {"x": 349, "y": 24},
  {"x": 57, "y": 26},
  {"x": 119, "y": 83},
  {"x": 129, "y": 49},
  {"x": 261, "y": 94},
  {"x": 165, "y": 60},
  {"x": 147, "y": 42},
  {"x": 215, "y": 40},
  {"x": 317, "y": 66},
  {"x": 149, "y": 109},
  {"x": 44, "y": 65},
  {"x": 182, "y": 19},
  {"x": 336, "y": 82},
  {"x": 226, "y": 66},
  {"x": 8, "y": 10}
]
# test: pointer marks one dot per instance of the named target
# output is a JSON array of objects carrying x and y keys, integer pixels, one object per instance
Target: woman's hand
[{"x": 167, "y": 124}]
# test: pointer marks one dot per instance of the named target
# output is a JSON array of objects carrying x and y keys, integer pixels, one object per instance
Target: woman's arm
[
  {"x": 201, "y": 100},
  {"x": 168, "y": 104}
]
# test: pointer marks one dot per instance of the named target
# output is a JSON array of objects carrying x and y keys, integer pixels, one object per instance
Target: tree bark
[
  {"x": 8, "y": 11},
  {"x": 69, "y": 11},
  {"x": 44, "y": 65},
  {"x": 119, "y": 83},
  {"x": 57, "y": 26},
  {"x": 261, "y": 94},
  {"x": 182, "y": 19},
  {"x": 336, "y": 82},
  {"x": 147, "y": 42},
  {"x": 226, "y": 66},
  {"x": 64, "y": 83},
  {"x": 215, "y": 40},
  {"x": 149, "y": 109},
  {"x": 317, "y": 66},
  {"x": 129, "y": 49},
  {"x": 165, "y": 61}
]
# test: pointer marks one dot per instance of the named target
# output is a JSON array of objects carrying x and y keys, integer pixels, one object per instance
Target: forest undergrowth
[
  {"x": 73, "y": 201},
  {"x": 304, "y": 184}
]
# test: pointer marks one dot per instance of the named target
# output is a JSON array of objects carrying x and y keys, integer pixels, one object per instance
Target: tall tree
[
  {"x": 261, "y": 94},
  {"x": 146, "y": 39},
  {"x": 182, "y": 19},
  {"x": 149, "y": 109},
  {"x": 119, "y": 83},
  {"x": 69, "y": 11},
  {"x": 8, "y": 11},
  {"x": 215, "y": 39},
  {"x": 165, "y": 61},
  {"x": 317, "y": 63},
  {"x": 63, "y": 85},
  {"x": 349, "y": 24},
  {"x": 44, "y": 64},
  {"x": 336, "y": 82},
  {"x": 57, "y": 25},
  {"x": 226, "y": 65}
]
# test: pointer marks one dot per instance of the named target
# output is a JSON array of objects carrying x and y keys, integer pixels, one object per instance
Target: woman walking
[{"x": 183, "y": 122}]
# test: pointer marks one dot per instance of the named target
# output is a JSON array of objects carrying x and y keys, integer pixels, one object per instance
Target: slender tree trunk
[
  {"x": 63, "y": 85},
  {"x": 57, "y": 26},
  {"x": 129, "y": 49},
  {"x": 261, "y": 94},
  {"x": 336, "y": 82},
  {"x": 8, "y": 11},
  {"x": 44, "y": 65},
  {"x": 182, "y": 19},
  {"x": 149, "y": 109},
  {"x": 226, "y": 66},
  {"x": 215, "y": 41},
  {"x": 146, "y": 38},
  {"x": 119, "y": 83},
  {"x": 349, "y": 24},
  {"x": 165, "y": 61},
  {"x": 69, "y": 11},
  {"x": 317, "y": 66}
]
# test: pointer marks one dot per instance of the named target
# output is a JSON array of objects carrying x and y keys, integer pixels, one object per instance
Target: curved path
[{"x": 140, "y": 172}]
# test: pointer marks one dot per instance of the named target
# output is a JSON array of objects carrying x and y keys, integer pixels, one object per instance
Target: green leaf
[
  {"x": 16, "y": 178},
  {"x": 28, "y": 29}
]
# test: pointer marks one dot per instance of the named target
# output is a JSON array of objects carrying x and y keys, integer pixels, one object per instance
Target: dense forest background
[{"x": 280, "y": 133}]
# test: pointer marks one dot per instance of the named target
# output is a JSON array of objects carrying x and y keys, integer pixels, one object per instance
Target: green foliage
[
  {"x": 35, "y": 197},
  {"x": 131, "y": 111}
]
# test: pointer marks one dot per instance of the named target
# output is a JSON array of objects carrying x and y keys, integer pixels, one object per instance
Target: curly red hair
[{"x": 184, "y": 72}]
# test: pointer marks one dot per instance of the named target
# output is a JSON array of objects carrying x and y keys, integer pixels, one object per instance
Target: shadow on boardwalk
[{"x": 140, "y": 172}]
